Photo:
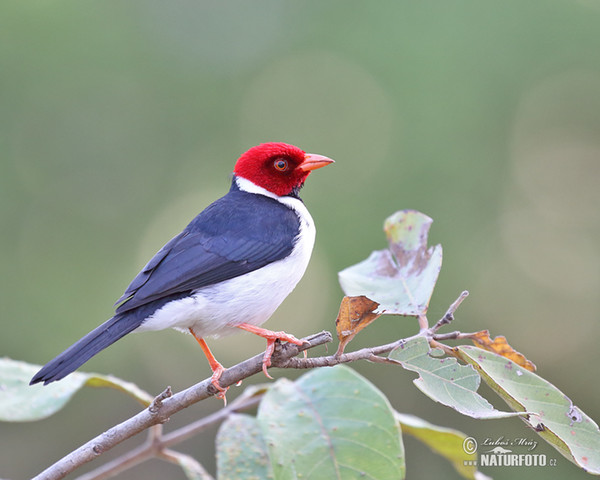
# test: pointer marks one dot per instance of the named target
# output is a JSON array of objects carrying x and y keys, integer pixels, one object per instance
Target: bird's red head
[{"x": 278, "y": 167}]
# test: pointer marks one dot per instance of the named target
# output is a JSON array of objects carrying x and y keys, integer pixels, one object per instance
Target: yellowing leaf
[
  {"x": 501, "y": 347},
  {"x": 355, "y": 314},
  {"x": 447, "y": 442}
]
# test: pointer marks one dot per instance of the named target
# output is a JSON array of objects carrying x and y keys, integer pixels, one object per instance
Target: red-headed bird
[{"x": 231, "y": 267}]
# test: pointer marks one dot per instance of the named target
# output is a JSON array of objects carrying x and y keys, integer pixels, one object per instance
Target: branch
[
  {"x": 372, "y": 353},
  {"x": 167, "y": 404},
  {"x": 162, "y": 408},
  {"x": 332, "y": 360},
  {"x": 449, "y": 316}
]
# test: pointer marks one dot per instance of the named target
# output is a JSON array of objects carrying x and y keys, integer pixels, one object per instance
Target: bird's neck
[{"x": 245, "y": 185}]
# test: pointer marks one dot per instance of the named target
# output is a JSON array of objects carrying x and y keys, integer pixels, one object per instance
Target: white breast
[{"x": 250, "y": 298}]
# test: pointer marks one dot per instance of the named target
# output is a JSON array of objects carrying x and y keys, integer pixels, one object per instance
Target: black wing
[{"x": 237, "y": 234}]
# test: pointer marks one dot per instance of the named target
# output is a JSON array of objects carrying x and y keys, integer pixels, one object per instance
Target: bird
[{"x": 228, "y": 270}]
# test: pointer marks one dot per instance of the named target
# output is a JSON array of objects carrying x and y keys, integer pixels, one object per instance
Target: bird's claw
[
  {"x": 267, "y": 356},
  {"x": 271, "y": 339},
  {"x": 214, "y": 379}
]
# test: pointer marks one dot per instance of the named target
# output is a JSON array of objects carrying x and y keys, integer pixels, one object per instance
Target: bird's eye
[{"x": 281, "y": 164}]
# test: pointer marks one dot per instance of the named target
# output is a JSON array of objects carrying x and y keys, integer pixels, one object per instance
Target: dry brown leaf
[
  {"x": 355, "y": 314},
  {"x": 501, "y": 347}
]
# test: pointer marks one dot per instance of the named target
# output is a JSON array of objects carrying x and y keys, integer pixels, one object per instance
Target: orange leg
[
  {"x": 271, "y": 337},
  {"x": 215, "y": 366}
]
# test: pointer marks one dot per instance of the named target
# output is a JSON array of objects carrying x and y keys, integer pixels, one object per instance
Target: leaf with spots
[
  {"x": 445, "y": 380},
  {"x": 241, "y": 450},
  {"x": 401, "y": 278},
  {"x": 20, "y": 402},
  {"x": 552, "y": 414},
  {"x": 331, "y": 423}
]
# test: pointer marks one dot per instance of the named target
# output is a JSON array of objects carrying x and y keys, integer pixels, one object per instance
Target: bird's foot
[
  {"x": 214, "y": 379},
  {"x": 271, "y": 338}
]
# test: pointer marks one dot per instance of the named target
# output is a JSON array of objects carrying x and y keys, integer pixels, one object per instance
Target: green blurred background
[{"x": 119, "y": 121}]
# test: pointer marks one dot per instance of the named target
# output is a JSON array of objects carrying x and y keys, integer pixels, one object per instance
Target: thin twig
[
  {"x": 124, "y": 462},
  {"x": 449, "y": 316},
  {"x": 332, "y": 360},
  {"x": 370, "y": 352},
  {"x": 453, "y": 335},
  {"x": 188, "y": 431}
]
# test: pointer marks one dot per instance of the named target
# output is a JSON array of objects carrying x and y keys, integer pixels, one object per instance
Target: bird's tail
[{"x": 85, "y": 348}]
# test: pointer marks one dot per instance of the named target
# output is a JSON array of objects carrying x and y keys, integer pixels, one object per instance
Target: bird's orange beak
[{"x": 312, "y": 161}]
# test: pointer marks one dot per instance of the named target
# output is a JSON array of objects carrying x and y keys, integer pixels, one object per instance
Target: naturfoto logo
[{"x": 500, "y": 452}]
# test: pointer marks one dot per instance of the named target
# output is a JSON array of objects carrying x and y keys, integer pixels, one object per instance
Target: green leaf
[
  {"x": 447, "y": 442},
  {"x": 241, "y": 450},
  {"x": 20, "y": 402},
  {"x": 554, "y": 416},
  {"x": 331, "y": 423},
  {"x": 445, "y": 380},
  {"x": 401, "y": 279}
]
